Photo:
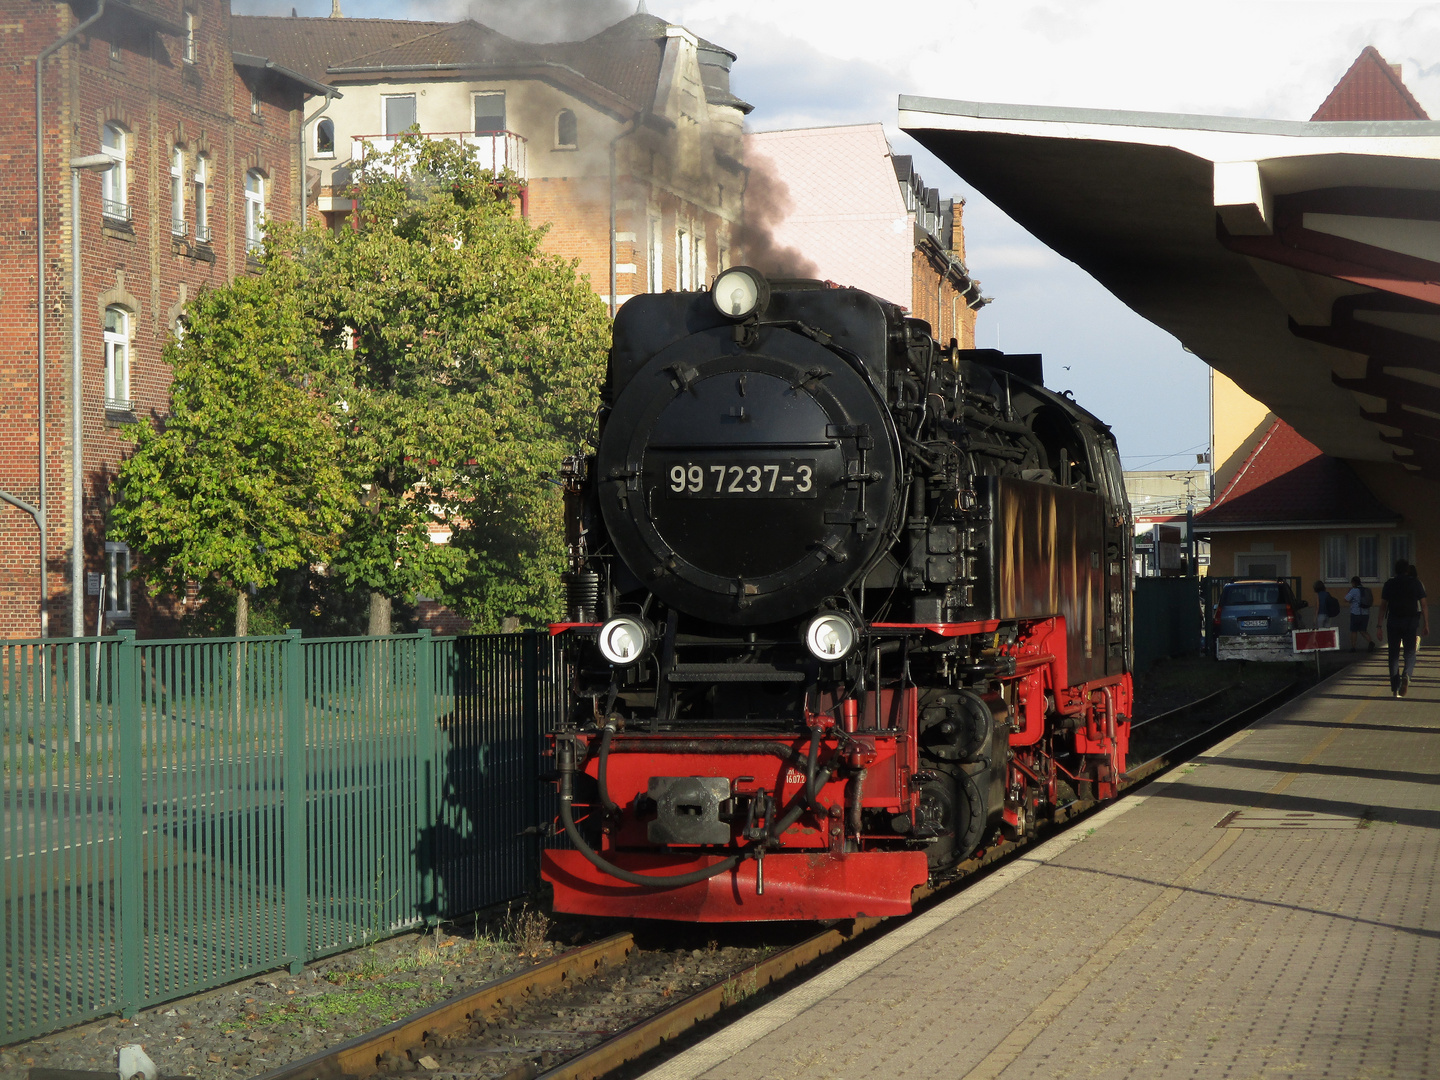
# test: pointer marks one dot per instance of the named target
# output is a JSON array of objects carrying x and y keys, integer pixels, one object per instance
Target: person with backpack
[
  {"x": 1404, "y": 616},
  {"x": 1326, "y": 606},
  {"x": 1360, "y": 600}
]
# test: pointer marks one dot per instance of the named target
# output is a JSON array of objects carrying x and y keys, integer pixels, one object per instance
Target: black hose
[
  {"x": 565, "y": 760},
  {"x": 810, "y": 758},
  {"x": 1014, "y": 427},
  {"x": 601, "y": 771}
]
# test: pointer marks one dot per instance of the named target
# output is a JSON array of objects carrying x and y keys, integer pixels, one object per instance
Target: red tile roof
[
  {"x": 1286, "y": 482},
  {"x": 1370, "y": 90}
]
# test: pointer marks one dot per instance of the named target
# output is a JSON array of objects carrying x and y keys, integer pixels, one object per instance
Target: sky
[{"x": 808, "y": 63}]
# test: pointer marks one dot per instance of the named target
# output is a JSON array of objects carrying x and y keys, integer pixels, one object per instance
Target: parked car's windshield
[{"x": 1259, "y": 593}]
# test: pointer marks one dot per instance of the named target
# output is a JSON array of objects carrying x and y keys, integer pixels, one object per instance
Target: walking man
[
  {"x": 1359, "y": 599},
  {"x": 1404, "y": 614},
  {"x": 1326, "y": 606}
]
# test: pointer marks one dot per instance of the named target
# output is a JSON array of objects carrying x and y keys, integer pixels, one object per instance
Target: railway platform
[{"x": 1270, "y": 909}]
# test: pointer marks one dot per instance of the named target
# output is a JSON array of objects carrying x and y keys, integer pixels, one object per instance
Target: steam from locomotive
[{"x": 846, "y": 607}]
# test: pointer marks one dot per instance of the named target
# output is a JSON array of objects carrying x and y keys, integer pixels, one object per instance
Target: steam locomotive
[{"x": 845, "y": 608}]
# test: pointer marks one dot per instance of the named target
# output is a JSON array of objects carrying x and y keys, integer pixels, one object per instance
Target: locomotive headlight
[
  {"x": 831, "y": 636},
  {"x": 623, "y": 641},
  {"x": 740, "y": 292}
]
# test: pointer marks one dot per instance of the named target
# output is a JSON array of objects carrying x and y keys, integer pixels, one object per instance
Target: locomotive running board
[{"x": 797, "y": 886}]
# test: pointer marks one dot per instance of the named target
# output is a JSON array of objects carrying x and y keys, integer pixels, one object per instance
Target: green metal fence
[
  {"x": 157, "y": 794},
  {"x": 1168, "y": 619}
]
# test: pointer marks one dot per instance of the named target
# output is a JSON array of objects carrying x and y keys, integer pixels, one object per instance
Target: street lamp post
[{"x": 96, "y": 163}]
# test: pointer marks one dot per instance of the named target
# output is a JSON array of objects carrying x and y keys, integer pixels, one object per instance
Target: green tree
[
  {"x": 476, "y": 361},
  {"x": 242, "y": 480}
]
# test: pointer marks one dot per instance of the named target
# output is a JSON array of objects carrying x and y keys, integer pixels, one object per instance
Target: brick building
[
  {"x": 203, "y": 145},
  {"x": 856, "y": 214},
  {"x": 628, "y": 142}
]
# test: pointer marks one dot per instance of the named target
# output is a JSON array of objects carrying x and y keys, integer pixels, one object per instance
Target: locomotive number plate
[{"x": 789, "y": 479}]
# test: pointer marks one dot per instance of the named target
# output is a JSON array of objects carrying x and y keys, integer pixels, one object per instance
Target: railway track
[{"x": 493, "y": 1032}]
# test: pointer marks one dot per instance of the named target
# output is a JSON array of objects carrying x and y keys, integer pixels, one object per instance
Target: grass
[{"x": 381, "y": 987}]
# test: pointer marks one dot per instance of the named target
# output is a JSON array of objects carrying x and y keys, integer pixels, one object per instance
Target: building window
[
  {"x": 254, "y": 212},
  {"x": 255, "y": 103},
  {"x": 1367, "y": 556},
  {"x": 114, "y": 52},
  {"x": 113, "y": 186},
  {"x": 399, "y": 113},
  {"x": 1399, "y": 549},
  {"x": 117, "y": 579},
  {"x": 177, "y": 192},
  {"x": 188, "y": 55},
  {"x": 722, "y": 259},
  {"x": 202, "y": 208},
  {"x": 490, "y": 112},
  {"x": 684, "y": 260},
  {"x": 117, "y": 360},
  {"x": 654, "y": 271},
  {"x": 565, "y": 130},
  {"x": 700, "y": 265},
  {"x": 325, "y": 137},
  {"x": 1334, "y": 558}
]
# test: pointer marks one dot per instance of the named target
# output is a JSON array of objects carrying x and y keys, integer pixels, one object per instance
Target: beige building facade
[{"x": 627, "y": 144}]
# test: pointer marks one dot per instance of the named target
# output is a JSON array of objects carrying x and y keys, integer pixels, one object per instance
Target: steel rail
[
  {"x": 1201, "y": 740},
  {"x": 1170, "y": 714},
  {"x": 641, "y": 1038},
  {"x": 362, "y": 1056}
]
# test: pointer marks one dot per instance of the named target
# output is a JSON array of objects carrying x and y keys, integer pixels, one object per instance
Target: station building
[
  {"x": 1284, "y": 508},
  {"x": 1298, "y": 259},
  {"x": 201, "y": 145}
]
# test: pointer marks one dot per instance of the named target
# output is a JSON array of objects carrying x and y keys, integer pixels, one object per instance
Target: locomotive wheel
[
  {"x": 954, "y": 807},
  {"x": 957, "y": 728}
]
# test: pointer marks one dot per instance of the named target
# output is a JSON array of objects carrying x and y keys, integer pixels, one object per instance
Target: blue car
[{"x": 1249, "y": 608}]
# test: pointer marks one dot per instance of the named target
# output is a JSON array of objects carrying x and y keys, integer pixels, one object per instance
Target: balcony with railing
[
  {"x": 116, "y": 211},
  {"x": 494, "y": 150}
]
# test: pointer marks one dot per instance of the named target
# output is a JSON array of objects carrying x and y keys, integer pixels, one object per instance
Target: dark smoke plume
[
  {"x": 767, "y": 202},
  {"x": 549, "y": 20}
]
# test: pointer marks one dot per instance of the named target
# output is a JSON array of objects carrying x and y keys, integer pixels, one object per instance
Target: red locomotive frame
[{"x": 820, "y": 867}]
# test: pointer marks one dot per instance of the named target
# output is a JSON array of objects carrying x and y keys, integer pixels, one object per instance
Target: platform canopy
[{"x": 1302, "y": 259}]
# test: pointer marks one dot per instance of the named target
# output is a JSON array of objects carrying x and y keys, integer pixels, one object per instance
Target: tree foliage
[
  {"x": 476, "y": 362},
  {"x": 420, "y": 374},
  {"x": 242, "y": 480}
]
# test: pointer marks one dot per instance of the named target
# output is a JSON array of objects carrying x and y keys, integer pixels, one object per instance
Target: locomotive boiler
[{"x": 846, "y": 607}]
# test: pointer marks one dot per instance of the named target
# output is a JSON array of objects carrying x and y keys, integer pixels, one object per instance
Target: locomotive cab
[{"x": 845, "y": 607}]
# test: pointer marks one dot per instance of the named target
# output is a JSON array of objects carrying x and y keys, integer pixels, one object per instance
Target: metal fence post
[
  {"x": 530, "y": 711},
  {"x": 427, "y": 754},
  {"x": 295, "y": 760},
  {"x": 128, "y": 735}
]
